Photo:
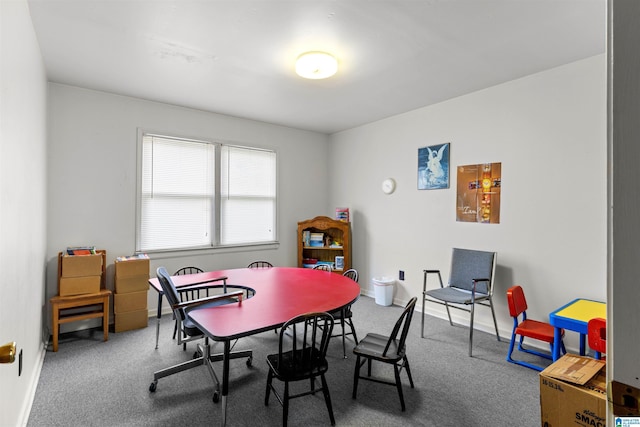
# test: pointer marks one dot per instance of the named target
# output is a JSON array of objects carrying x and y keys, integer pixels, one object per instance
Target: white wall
[
  {"x": 22, "y": 207},
  {"x": 549, "y": 132},
  {"x": 92, "y": 176}
]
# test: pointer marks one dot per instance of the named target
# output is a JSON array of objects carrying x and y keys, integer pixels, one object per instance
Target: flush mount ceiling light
[{"x": 316, "y": 65}]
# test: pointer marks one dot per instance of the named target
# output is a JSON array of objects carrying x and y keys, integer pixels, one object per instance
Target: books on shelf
[
  {"x": 132, "y": 257},
  {"x": 342, "y": 214},
  {"x": 316, "y": 239},
  {"x": 81, "y": 250}
]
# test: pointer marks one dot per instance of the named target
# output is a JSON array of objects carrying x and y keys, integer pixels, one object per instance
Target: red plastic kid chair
[
  {"x": 597, "y": 336},
  {"x": 524, "y": 327}
]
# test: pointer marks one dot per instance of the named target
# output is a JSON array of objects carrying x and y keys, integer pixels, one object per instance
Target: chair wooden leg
[
  {"x": 344, "y": 344},
  {"x": 285, "y": 404},
  {"x": 396, "y": 370},
  {"x": 268, "y": 391},
  {"x": 406, "y": 366},
  {"x": 327, "y": 399},
  {"x": 356, "y": 376},
  {"x": 353, "y": 331}
]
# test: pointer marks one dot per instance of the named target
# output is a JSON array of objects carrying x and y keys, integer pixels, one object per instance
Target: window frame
[{"x": 215, "y": 246}]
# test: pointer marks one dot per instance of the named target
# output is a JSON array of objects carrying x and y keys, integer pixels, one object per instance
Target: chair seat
[
  {"x": 455, "y": 295},
  {"x": 296, "y": 372},
  {"x": 340, "y": 314},
  {"x": 372, "y": 346},
  {"x": 389, "y": 349},
  {"x": 537, "y": 330},
  {"x": 189, "y": 328}
]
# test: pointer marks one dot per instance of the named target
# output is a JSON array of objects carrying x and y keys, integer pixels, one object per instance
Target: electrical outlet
[{"x": 401, "y": 275}]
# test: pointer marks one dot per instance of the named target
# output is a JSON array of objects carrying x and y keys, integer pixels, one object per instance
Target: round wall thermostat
[{"x": 388, "y": 185}]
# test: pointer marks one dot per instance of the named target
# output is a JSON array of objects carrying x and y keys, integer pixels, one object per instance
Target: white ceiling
[{"x": 236, "y": 57}]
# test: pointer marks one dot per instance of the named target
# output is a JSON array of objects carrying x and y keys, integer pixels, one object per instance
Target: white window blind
[
  {"x": 178, "y": 195},
  {"x": 247, "y": 195}
]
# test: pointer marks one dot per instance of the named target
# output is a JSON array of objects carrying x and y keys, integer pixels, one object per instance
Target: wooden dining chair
[
  {"x": 389, "y": 349},
  {"x": 302, "y": 350},
  {"x": 260, "y": 264},
  {"x": 345, "y": 316}
]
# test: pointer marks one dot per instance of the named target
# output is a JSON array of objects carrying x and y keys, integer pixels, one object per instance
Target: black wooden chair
[
  {"x": 260, "y": 264},
  {"x": 386, "y": 349},
  {"x": 301, "y": 356},
  {"x": 345, "y": 316},
  {"x": 323, "y": 267}
]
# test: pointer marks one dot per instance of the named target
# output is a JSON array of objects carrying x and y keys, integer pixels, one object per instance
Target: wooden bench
[{"x": 97, "y": 305}]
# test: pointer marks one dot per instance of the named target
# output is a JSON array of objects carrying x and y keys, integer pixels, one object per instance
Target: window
[{"x": 198, "y": 194}]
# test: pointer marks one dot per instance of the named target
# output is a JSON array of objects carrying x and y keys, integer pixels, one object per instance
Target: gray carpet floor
[{"x": 89, "y": 382}]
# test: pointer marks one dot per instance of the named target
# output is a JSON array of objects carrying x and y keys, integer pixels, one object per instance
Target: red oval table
[{"x": 280, "y": 294}]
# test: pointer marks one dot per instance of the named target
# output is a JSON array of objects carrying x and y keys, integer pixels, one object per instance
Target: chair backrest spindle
[{"x": 403, "y": 322}]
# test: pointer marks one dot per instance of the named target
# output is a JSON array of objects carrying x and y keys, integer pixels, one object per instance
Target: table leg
[
  {"x": 105, "y": 317},
  {"x": 158, "y": 316},
  {"x": 582, "y": 344},
  {"x": 557, "y": 339},
  {"x": 225, "y": 380},
  {"x": 56, "y": 326}
]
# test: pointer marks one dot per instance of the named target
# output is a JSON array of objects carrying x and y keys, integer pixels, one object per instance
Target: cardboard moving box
[
  {"x": 573, "y": 392},
  {"x": 79, "y": 285},
  {"x": 132, "y": 268},
  {"x": 131, "y": 301},
  {"x": 131, "y": 320},
  {"x": 81, "y": 265},
  {"x": 132, "y": 284}
]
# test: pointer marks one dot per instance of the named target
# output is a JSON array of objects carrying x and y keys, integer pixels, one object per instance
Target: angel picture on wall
[{"x": 433, "y": 167}]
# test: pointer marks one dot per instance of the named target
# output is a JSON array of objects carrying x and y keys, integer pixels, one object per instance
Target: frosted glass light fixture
[{"x": 316, "y": 65}]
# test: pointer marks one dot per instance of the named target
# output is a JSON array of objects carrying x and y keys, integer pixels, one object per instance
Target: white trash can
[{"x": 383, "y": 287}]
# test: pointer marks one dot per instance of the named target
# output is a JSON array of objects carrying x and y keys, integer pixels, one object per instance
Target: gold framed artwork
[{"x": 478, "y": 197}]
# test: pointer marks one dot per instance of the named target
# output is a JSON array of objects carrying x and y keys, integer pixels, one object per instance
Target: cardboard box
[
  {"x": 132, "y": 268},
  {"x": 131, "y": 320},
  {"x": 132, "y": 301},
  {"x": 573, "y": 392},
  {"x": 81, "y": 265},
  {"x": 125, "y": 285},
  {"x": 79, "y": 285}
]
